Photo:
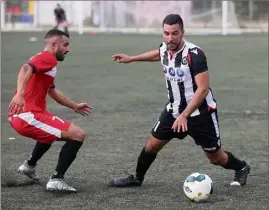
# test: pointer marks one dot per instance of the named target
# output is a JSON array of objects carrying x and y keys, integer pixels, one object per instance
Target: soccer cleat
[
  {"x": 59, "y": 185},
  {"x": 29, "y": 171},
  {"x": 127, "y": 181},
  {"x": 241, "y": 176}
]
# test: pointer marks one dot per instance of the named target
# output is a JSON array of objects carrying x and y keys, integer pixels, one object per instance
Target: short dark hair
[
  {"x": 173, "y": 19},
  {"x": 55, "y": 32}
]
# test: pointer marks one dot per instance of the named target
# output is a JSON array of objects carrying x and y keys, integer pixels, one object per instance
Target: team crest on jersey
[
  {"x": 164, "y": 69},
  {"x": 184, "y": 60},
  {"x": 180, "y": 73},
  {"x": 172, "y": 71}
]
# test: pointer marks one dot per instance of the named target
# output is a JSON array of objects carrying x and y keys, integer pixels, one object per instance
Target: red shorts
[{"x": 40, "y": 126}]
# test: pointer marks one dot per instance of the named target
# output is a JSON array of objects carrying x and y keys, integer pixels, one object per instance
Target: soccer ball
[{"x": 198, "y": 187}]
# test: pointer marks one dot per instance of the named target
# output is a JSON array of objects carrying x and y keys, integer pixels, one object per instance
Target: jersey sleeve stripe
[{"x": 34, "y": 68}]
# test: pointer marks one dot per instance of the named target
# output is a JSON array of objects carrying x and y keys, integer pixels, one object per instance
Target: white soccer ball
[{"x": 198, "y": 187}]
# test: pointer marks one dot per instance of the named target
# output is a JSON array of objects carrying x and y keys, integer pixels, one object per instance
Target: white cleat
[
  {"x": 29, "y": 171},
  {"x": 59, "y": 185},
  {"x": 235, "y": 183}
]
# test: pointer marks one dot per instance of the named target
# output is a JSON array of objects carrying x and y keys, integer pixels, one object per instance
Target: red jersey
[{"x": 44, "y": 65}]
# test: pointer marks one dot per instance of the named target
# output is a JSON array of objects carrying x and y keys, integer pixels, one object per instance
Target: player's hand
[
  {"x": 122, "y": 58},
  {"x": 83, "y": 109},
  {"x": 16, "y": 105},
  {"x": 180, "y": 124}
]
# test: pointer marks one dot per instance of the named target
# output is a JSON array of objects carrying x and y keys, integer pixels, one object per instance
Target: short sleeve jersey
[
  {"x": 180, "y": 70},
  {"x": 44, "y": 71}
]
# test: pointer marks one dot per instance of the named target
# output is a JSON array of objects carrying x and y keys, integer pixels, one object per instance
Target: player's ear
[{"x": 53, "y": 44}]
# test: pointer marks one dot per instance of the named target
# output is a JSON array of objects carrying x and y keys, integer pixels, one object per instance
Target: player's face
[
  {"x": 62, "y": 48},
  {"x": 172, "y": 36}
]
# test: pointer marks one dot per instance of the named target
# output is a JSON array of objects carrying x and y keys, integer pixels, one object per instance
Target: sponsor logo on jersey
[
  {"x": 180, "y": 73},
  {"x": 172, "y": 72}
]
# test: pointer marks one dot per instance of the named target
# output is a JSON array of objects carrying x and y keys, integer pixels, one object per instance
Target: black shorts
[{"x": 203, "y": 128}]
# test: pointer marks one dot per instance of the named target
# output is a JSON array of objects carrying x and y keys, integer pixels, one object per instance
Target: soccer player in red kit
[{"x": 29, "y": 117}]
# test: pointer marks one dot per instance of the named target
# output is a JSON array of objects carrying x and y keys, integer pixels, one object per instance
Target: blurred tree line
[
  {"x": 245, "y": 9},
  {"x": 252, "y": 10}
]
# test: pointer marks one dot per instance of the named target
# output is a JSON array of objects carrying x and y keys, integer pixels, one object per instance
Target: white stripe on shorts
[
  {"x": 157, "y": 125},
  {"x": 30, "y": 119},
  {"x": 216, "y": 125}
]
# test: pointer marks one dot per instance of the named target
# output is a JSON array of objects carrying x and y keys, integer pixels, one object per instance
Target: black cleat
[
  {"x": 127, "y": 181},
  {"x": 241, "y": 176}
]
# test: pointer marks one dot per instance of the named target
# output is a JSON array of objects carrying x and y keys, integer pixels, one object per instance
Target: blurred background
[{"x": 205, "y": 16}]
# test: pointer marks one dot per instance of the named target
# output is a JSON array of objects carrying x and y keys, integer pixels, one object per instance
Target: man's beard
[
  {"x": 60, "y": 57},
  {"x": 173, "y": 46}
]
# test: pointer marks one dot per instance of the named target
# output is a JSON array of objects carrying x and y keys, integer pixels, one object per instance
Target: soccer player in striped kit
[{"x": 191, "y": 109}]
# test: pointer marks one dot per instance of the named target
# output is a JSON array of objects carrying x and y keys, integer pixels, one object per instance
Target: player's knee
[
  {"x": 154, "y": 145},
  {"x": 217, "y": 158},
  {"x": 79, "y": 135},
  {"x": 74, "y": 133},
  {"x": 153, "y": 148},
  {"x": 150, "y": 148}
]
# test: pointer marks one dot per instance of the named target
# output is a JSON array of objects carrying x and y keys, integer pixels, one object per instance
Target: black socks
[
  {"x": 66, "y": 157},
  {"x": 234, "y": 163},
  {"x": 38, "y": 152},
  {"x": 144, "y": 161}
]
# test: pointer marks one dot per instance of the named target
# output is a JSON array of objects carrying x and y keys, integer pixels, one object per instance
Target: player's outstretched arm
[
  {"x": 17, "y": 103},
  {"x": 150, "y": 56},
  {"x": 59, "y": 97}
]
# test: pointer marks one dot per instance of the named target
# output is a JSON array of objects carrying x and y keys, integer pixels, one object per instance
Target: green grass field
[{"x": 127, "y": 100}]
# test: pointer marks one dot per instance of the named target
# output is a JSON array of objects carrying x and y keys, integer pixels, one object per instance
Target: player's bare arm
[
  {"x": 202, "y": 81},
  {"x": 150, "y": 56},
  {"x": 17, "y": 103},
  {"x": 59, "y": 97}
]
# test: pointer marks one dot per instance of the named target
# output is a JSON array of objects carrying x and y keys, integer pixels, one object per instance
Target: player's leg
[
  {"x": 205, "y": 131},
  {"x": 39, "y": 150},
  {"x": 65, "y": 24},
  {"x": 57, "y": 23},
  {"x": 47, "y": 128},
  {"x": 228, "y": 161},
  {"x": 26, "y": 125},
  {"x": 28, "y": 168},
  {"x": 148, "y": 155},
  {"x": 73, "y": 138},
  {"x": 145, "y": 159},
  {"x": 161, "y": 135}
]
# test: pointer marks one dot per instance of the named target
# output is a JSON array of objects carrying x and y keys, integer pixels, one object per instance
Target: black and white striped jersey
[{"x": 179, "y": 70}]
